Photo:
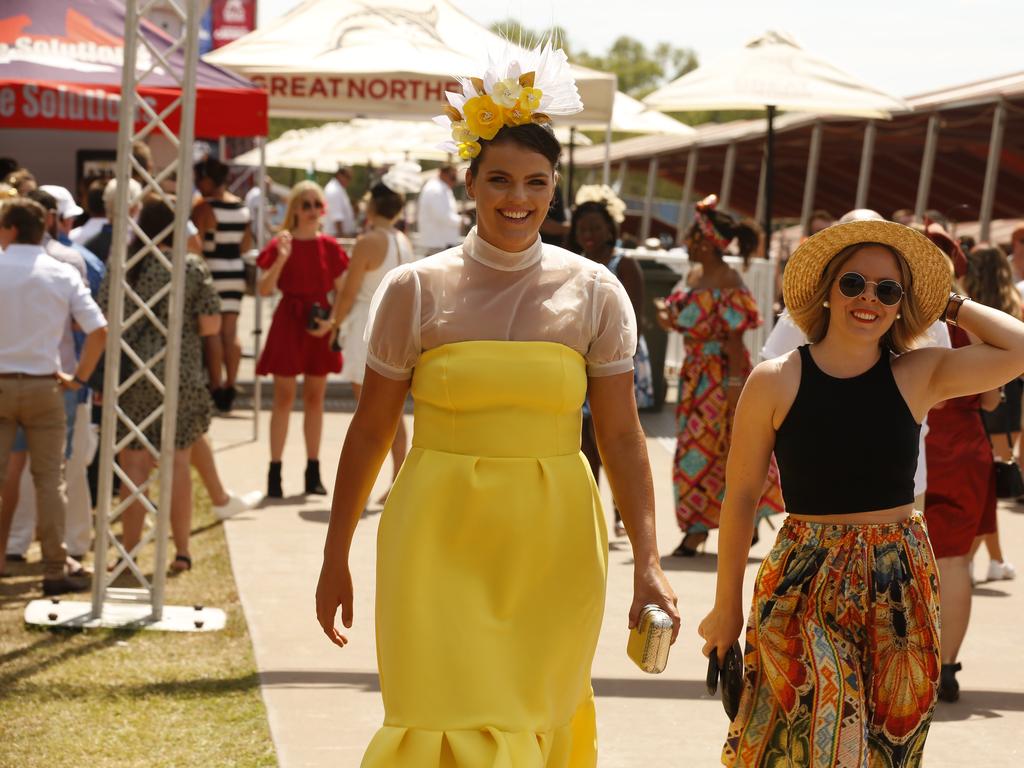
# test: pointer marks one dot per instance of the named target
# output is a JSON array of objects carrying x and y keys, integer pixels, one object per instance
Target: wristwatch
[
  {"x": 952, "y": 311},
  {"x": 79, "y": 382}
]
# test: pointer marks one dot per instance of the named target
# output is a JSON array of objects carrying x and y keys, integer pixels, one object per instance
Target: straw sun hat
[{"x": 929, "y": 267}]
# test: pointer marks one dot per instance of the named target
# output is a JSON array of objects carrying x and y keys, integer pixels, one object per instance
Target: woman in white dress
[{"x": 377, "y": 251}]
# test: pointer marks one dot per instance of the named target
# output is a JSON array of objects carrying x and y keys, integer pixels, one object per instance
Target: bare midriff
[{"x": 874, "y": 517}]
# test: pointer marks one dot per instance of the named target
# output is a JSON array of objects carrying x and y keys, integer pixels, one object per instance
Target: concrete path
[{"x": 324, "y": 702}]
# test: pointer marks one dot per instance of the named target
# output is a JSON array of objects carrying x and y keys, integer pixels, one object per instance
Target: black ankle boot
[
  {"x": 313, "y": 484},
  {"x": 949, "y": 688},
  {"x": 274, "y": 481}
]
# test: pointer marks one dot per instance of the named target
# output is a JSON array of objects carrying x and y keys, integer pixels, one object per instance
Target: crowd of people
[{"x": 884, "y": 399}]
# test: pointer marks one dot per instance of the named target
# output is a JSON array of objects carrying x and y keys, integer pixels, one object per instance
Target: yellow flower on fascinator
[
  {"x": 483, "y": 116},
  {"x": 506, "y": 92},
  {"x": 530, "y": 99},
  {"x": 461, "y": 133},
  {"x": 469, "y": 149}
]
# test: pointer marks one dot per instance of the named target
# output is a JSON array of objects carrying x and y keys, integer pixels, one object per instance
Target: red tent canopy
[{"x": 61, "y": 68}]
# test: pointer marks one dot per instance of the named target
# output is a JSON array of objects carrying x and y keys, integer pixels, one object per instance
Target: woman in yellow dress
[{"x": 492, "y": 549}]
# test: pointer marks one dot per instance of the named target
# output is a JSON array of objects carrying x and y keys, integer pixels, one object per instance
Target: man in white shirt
[
  {"x": 438, "y": 223},
  {"x": 341, "y": 220},
  {"x": 37, "y": 295}
]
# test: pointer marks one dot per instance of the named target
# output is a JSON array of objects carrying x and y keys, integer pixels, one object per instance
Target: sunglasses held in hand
[{"x": 853, "y": 284}]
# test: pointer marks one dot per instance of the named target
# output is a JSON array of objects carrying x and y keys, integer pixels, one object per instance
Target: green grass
[{"x": 118, "y": 698}]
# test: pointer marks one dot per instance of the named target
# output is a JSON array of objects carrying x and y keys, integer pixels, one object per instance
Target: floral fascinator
[
  {"x": 523, "y": 86},
  {"x": 604, "y": 195}
]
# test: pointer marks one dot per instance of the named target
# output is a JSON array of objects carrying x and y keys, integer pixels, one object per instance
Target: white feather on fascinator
[{"x": 521, "y": 87}]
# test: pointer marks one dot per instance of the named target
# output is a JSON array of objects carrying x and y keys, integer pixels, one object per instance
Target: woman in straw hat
[
  {"x": 842, "y": 657},
  {"x": 492, "y": 550}
]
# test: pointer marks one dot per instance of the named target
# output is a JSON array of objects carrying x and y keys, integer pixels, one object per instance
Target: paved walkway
[{"x": 324, "y": 702}]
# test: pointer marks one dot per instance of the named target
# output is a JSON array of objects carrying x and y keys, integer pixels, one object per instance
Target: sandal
[
  {"x": 181, "y": 563},
  {"x": 691, "y": 544}
]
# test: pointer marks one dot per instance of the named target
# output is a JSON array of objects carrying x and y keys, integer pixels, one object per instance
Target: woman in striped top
[{"x": 223, "y": 223}]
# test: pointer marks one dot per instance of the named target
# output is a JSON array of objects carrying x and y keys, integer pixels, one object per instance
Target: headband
[{"x": 706, "y": 225}]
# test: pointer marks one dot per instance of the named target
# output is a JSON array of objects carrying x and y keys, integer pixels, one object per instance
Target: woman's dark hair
[
  {"x": 583, "y": 209},
  {"x": 386, "y": 202},
  {"x": 213, "y": 169},
  {"x": 532, "y": 136},
  {"x": 154, "y": 217},
  {"x": 746, "y": 232}
]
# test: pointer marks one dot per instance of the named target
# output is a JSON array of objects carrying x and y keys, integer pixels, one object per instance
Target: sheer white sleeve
[
  {"x": 613, "y": 337},
  {"x": 393, "y": 330}
]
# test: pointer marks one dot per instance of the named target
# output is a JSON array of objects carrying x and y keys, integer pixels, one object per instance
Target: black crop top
[{"x": 847, "y": 445}]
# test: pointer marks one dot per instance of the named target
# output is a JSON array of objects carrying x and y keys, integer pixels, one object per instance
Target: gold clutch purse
[{"x": 650, "y": 640}]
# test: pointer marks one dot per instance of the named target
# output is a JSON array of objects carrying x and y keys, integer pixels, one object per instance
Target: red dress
[
  {"x": 960, "y": 502},
  {"x": 307, "y": 277}
]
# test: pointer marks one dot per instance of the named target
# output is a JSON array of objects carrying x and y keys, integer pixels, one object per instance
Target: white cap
[{"x": 66, "y": 205}]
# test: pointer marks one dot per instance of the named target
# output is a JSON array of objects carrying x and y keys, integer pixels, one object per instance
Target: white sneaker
[
  {"x": 237, "y": 504},
  {"x": 1000, "y": 571}
]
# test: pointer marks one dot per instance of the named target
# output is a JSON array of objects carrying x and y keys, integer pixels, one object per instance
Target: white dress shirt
[
  {"x": 438, "y": 223},
  {"x": 87, "y": 231},
  {"x": 37, "y": 295},
  {"x": 339, "y": 208}
]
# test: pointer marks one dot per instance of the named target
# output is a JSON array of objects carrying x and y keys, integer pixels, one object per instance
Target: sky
[{"x": 905, "y": 47}]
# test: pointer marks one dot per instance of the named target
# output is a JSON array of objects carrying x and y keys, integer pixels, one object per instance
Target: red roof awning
[{"x": 62, "y": 68}]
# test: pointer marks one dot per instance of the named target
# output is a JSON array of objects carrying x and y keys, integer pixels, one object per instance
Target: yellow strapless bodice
[{"x": 500, "y": 399}]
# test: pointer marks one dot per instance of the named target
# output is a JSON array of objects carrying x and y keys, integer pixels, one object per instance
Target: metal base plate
[{"x": 67, "y": 614}]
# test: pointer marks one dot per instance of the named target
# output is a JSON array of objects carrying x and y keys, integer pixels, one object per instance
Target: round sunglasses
[
  {"x": 309, "y": 205},
  {"x": 888, "y": 292}
]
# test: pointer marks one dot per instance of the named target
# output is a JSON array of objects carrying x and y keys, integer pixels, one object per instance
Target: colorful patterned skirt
[{"x": 842, "y": 658}]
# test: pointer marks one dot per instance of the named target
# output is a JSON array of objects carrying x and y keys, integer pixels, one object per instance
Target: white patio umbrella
[
  {"x": 774, "y": 73},
  {"x": 358, "y": 142}
]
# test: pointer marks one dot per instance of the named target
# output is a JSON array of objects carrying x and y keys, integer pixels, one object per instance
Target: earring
[
  {"x": 898, "y": 316},
  {"x": 826, "y": 305}
]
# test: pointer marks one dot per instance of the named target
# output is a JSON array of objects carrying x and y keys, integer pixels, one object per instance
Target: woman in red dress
[
  {"x": 960, "y": 502},
  {"x": 305, "y": 265}
]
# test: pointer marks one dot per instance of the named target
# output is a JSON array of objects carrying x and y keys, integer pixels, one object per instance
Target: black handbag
[
  {"x": 1009, "y": 481},
  {"x": 731, "y": 673}
]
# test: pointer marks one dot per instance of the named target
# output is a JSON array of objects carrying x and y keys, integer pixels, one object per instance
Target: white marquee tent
[{"x": 334, "y": 59}]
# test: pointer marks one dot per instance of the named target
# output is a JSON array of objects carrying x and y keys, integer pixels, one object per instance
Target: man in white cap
[{"x": 67, "y": 209}]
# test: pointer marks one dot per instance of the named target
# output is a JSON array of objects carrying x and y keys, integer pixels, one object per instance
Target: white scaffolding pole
[
  {"x": 257, "y": 328},
  {"x": 924, "y": 183},
  {"x": 143, "y": 605},
  {"x": 811, "y": 180},
  {"x": 867, "y": 156},
  {"x": 686, "y": 204},
  {"x": 725, "y": 193},
  {"x": 995, "y": 150},
  {"x": 652, "y": 178}
]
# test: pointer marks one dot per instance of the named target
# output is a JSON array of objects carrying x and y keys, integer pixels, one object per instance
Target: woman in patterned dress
[
  {"x": 712, "y": 311},
  {"x": 195, "y": 408}
]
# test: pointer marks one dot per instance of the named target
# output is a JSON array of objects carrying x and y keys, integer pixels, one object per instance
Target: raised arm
[
  {"x": 753, "y": 440},
  {"x": 941, "y": 374},
  {"x": 620, "y": 439},
  {"x": 367, "y": 443}
]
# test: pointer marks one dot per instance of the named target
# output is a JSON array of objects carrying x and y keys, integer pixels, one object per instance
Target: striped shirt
[{"x": 223, "y": 252}]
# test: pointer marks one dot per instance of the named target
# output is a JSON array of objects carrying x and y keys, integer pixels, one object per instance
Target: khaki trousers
[{"x": 37, "y": 405}]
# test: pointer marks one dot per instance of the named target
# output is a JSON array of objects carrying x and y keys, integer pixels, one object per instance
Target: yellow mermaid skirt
[{"x": 491, "y": 567}]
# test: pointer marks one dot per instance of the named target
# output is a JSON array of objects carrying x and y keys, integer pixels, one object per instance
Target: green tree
[{"x": 639, "y": 69}]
